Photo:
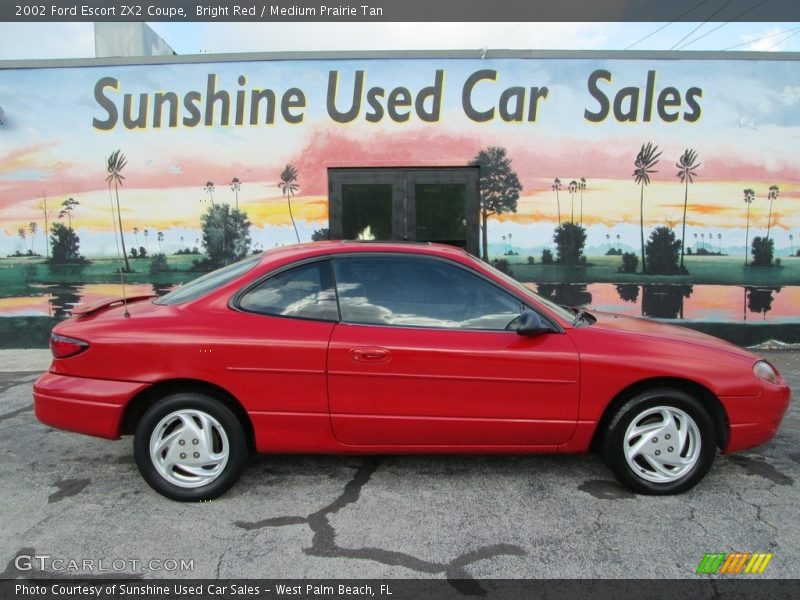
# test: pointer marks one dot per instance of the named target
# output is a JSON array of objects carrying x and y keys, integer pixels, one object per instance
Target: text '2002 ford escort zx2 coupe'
[{"x": 348, "y": 347}]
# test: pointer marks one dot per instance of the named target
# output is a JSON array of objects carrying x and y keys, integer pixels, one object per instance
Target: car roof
[{"x": 310, "y": 249}]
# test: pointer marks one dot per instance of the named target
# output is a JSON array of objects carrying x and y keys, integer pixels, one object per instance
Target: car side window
[
  {"x": 419, "y": 292},
  {"x": 304, "y": 292}
]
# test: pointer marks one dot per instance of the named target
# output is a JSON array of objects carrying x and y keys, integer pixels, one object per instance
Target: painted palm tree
[
  {"x": 116, "y": 163},
  {"x": 686, "y": 165},
  {"x": 749, "y": 196},
  {"x": 289, "y": 186},
  {"x": 236, "y": 185},
  {"x": 582, "y": 187},
  {"x": 619, "y": 244},
  {"x": 146, "y": 239},
  {"x": 556, "y": 188},
  {"x": 646, "y": 159},
  {"x": 33, "y": 227},
  {"x": 22, "y": 233},
  {"x": 608, "y": 240},
  {"x": 136, "y": 234},
  {"x": 771, "y": 195},
  {"x": 209, "y": 188},
  {"x": 67, "y": 206},
  {"x": 46, "y": 215},
  {"x": 573, "y": 187},
  {"x": 719, "y": 237},
  {"x": 160, "y": 239}
]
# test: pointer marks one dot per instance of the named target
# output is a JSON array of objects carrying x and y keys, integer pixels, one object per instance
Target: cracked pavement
[{"x": 456, "y": 517}]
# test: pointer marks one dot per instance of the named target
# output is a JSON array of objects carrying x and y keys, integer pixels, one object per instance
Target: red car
[{"x": 350, "y": 347}]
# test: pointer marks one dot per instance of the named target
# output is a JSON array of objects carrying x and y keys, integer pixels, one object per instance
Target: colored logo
[{"x": 735, "y": 563}]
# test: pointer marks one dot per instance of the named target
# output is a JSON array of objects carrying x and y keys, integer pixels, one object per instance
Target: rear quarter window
[{"x": 210, "y": 281}]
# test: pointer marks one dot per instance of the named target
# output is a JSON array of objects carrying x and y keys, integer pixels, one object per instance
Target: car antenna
[
  {"x": 126, "y": 314},
  {"x": 120, "y": 255}
]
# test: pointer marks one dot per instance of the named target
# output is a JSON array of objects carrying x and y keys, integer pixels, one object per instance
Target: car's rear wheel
[
  {"x": 190, "y": 447},
  {"x": 661, "y": 441}
]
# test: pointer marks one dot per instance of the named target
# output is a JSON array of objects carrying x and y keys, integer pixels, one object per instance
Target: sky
[
  {"x": 738, "y": 117},
  {"x": 76, "y": 40}
]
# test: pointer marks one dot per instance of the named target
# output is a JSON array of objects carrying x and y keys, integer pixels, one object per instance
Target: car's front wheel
[
  {"x": 661, "y": 441},
  {"x": 190, "y": 447}
]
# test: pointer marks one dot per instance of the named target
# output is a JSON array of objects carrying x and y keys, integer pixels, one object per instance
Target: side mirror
[{"x": 531, "y": 323}]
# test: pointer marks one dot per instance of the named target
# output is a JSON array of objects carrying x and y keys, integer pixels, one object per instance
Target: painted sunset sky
[{"x": 747, "y": 136}]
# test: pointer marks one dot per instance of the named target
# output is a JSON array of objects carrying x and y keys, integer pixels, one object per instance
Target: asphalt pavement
[{"x": 73, "y": 498}]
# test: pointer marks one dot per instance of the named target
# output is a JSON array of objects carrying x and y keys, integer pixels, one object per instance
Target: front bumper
[
  {"x": 83, "y": 405},
  {"x": 755, "y": 420}
]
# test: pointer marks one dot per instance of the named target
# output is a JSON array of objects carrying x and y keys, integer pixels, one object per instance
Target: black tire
[
  {"x": 639, "y": 479},
  {"x": 224, "y": 437}
]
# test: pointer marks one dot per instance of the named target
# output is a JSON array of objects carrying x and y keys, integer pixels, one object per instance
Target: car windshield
[
  {"x": 559, "y": 311},
  {"x": 210, "y": 281}
]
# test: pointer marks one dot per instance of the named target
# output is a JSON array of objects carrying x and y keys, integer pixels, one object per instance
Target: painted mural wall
[{"x": 617, "y": 160}]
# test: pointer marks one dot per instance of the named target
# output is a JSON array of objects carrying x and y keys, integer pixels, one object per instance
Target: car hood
[{"x": 648, "y": 328}]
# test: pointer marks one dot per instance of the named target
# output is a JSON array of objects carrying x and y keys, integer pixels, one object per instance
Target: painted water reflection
[
  {"x": 665, "y": 301},
  {"x": 58, "y": 299},
  {"x": 716, "y": 303}
]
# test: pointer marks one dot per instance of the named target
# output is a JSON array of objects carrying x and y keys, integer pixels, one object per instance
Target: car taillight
[{"x": 62, "y": 346}]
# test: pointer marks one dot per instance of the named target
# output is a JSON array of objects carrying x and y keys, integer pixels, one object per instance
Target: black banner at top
[{"x": 401, "y": 10}]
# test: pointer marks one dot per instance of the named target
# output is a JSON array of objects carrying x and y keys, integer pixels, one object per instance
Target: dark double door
[{"x": 423, "y": 205}]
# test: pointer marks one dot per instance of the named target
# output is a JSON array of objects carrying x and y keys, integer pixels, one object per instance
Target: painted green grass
[
  {"x": 104, "y": 268},
  {"x": 712, "y": 270},
  {"x": 18, "y": 274}
]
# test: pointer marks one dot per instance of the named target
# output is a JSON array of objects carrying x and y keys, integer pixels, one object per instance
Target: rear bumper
[
  {"x": 83, "y": 405},
  {"x": 755, "y": 420}
]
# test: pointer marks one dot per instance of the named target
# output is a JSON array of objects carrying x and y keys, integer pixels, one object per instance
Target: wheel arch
[
  {"x": 709, "y": 400},
  {"x": 152, "y": 394}
]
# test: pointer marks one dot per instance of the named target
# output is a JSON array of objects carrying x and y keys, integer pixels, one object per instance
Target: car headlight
[{"x": 764, "y": 370}]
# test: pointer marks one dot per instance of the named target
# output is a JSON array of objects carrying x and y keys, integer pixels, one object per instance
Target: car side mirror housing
[{"x": 531, "y": 323}]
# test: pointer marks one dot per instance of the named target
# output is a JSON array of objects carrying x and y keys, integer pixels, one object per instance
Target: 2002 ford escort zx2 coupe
[{"x": 348, "y": 347}]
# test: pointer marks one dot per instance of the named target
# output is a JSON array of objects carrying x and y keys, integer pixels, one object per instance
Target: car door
[
  {"x": 275, "y": 355},
  {"x": 422, "y": 357}
]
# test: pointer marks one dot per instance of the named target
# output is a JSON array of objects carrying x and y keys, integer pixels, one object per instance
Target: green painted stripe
[
  {"x": 711, "y": 563},
  {"x": 702, "y": 567}
]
